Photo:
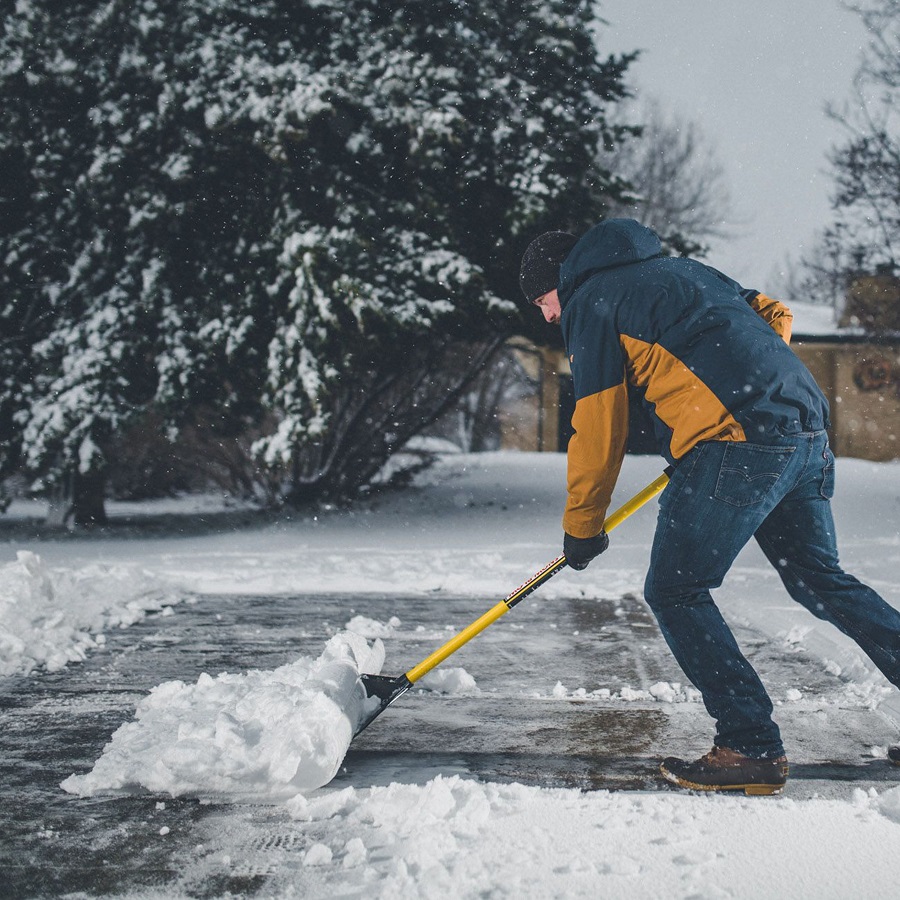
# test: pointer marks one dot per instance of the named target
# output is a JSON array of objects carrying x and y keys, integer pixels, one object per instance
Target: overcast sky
[{"x": 755, "y": 77}]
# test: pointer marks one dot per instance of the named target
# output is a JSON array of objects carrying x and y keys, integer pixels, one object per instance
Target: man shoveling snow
[{"x": 743, "y": 422}]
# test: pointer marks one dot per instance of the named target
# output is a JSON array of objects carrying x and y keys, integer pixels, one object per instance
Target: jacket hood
[{"x": 610, "y": 243}]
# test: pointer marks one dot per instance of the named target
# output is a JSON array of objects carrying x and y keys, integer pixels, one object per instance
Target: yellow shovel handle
[
  {"x": 505, "y": 605},
  {"x": 637, "y": 501}
]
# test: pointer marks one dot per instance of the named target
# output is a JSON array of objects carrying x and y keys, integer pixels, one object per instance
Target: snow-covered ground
[{"x": 478, "y": 526}]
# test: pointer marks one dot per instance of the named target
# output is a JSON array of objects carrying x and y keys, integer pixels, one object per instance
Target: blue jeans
[{"x": 722, "y": 494}]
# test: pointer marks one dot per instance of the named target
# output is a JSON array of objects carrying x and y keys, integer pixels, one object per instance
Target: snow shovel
[{"x": 386, "y": 689}]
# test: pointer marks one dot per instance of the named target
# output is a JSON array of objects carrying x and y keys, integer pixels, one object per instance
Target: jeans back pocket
[{"x": 749, "y": 472}]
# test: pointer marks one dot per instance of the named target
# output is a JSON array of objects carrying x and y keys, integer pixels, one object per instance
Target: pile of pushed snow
[
  {"x": 261, "y": 735},
  {"x": 49, "y": 618}
]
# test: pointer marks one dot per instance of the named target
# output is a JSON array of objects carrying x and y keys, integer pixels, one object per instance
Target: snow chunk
[
  {"x": 318, "y": 855},
  {"x": 449, "y": 681},
  {"x": 630, "y": 695},
  {"x": 664, "y": 692},
  {"x": 372, "y": 628},
  {"x": 263, "y": 734},
  {"x": 354, "y": 853},
  {"x": 888, "y": 804}
]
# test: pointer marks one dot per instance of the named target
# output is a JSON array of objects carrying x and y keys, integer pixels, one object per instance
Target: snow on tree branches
[{"x": 265, "y": 213}]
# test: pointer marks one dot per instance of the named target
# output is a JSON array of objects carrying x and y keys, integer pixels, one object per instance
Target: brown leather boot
[
  {"x": 723, "y": 769},
  {"x": 894, "y": 755}
]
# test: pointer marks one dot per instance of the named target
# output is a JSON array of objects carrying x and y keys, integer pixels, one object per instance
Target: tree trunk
[
  {"x": 88, "y": 509},
  {"x": 79, "y": 501}
]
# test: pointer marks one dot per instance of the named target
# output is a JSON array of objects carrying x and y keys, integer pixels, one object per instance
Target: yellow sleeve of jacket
[
  {"x": 595, "y": 455},
  {"x": 774, "y": 313}
]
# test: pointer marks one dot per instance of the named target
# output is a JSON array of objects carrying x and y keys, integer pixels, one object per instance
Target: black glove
[{"x": 580, "y": 551}]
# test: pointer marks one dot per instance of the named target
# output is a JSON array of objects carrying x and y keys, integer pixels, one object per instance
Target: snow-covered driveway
[
  {"x": 540, "y": 782},
  {"x": 568, "y": 694}
]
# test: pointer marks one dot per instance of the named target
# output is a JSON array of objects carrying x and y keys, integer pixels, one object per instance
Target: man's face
[{"x": 549, "y": 306}]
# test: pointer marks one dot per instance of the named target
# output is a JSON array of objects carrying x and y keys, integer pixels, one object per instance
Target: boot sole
[{"x": 750, "y": 790}]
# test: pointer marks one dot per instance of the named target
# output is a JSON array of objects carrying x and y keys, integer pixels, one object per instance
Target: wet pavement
[{"x": 516, "y": 729}]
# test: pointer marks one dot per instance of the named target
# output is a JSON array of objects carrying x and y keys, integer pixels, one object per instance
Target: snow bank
[
  {"x": 462, "y": 838},
  {"x": 50, "y": 617},
  {"x": 259, "y": 735}
]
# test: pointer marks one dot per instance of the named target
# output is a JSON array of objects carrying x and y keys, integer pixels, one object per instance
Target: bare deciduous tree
[
  {"x": 864, "y": 238},
  {"x": 678, "y": 185}
]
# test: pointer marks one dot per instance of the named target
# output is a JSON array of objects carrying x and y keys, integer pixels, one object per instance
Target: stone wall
[{"x": 862, "y": 384}]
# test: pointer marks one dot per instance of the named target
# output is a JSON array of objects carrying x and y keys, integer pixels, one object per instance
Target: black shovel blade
[{"x": 384, "y": 689}]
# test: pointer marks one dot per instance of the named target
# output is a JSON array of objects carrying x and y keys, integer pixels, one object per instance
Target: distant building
[
  {"x": 859, "y": 374},
  {"x": 858, "y": 369}
]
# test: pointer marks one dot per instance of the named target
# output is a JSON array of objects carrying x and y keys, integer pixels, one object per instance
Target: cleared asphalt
[{"x": 515, "y": 729}]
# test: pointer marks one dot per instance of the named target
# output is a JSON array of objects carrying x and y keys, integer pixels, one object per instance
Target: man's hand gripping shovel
[{"x": 386, "y": 690}]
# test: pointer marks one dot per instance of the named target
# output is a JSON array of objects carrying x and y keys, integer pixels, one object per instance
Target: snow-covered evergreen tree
[{"x": 292, "y": 207}]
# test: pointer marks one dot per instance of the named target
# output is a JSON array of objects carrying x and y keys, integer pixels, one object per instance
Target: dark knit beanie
[{"x": 539, "y": 272}]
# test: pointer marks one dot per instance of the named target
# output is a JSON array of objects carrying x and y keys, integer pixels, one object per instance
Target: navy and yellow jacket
[{"x": 709, "y": 358}]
